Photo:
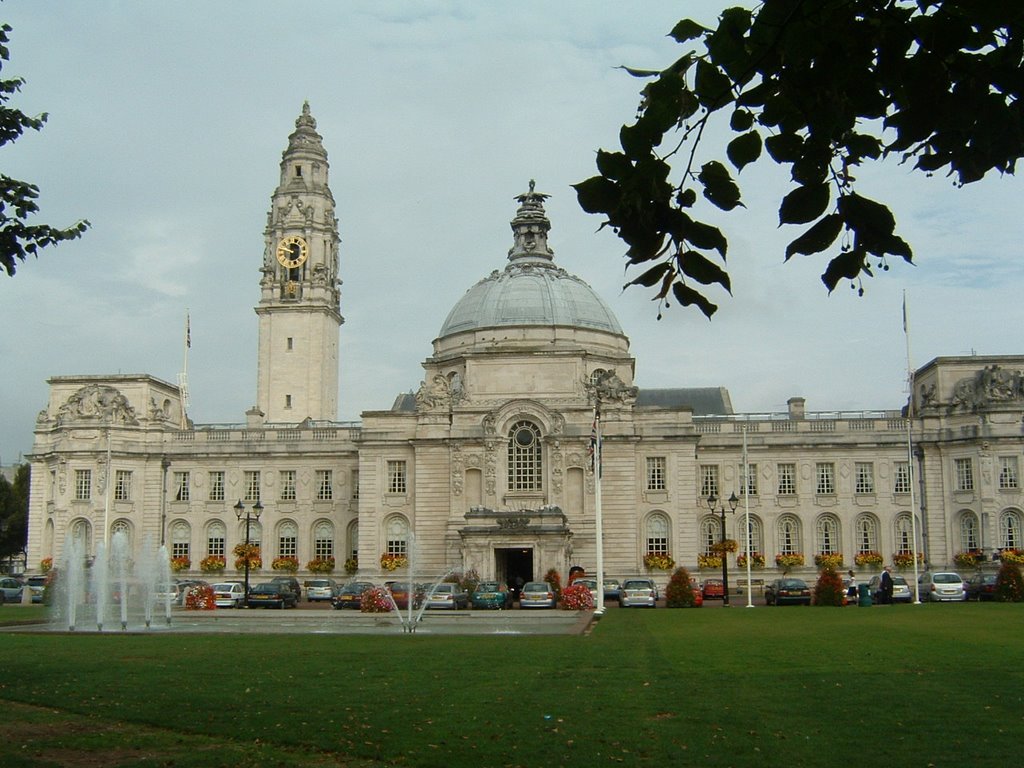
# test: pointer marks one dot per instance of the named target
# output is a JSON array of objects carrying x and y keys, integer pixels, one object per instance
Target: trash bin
[{"x": 863, "y": 596}]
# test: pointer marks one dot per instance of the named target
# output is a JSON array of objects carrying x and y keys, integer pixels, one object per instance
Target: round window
[{"x": 524, "y": 437}]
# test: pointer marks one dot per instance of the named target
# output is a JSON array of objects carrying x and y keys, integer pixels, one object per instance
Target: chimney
[{"x": 796, "y": 407}]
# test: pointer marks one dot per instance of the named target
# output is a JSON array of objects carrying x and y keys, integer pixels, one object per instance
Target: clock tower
[{"x": 299, "y": 307}]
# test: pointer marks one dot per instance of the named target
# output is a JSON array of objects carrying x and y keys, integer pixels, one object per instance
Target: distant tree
[
  {"x": 14, "y": 512},
  {"x": 821, "y": 86},
  {"x": 828, "y": 590},
  {"x": 1009, "y": 583},
  {"x": 18, "y": 238},
  {"x": 679, "y": 592}
]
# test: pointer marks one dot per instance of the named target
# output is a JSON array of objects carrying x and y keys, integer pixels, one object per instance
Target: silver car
[
  {"x": 942, "y": 587},
  {"x": 321, "y": 589},
  {"x": 638, "y": 593}
]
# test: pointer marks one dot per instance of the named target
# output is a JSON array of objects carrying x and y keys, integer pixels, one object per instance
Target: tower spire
[{"x": 530, "y": 228}]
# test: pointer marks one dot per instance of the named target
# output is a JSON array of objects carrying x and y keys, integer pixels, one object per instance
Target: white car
[
  {"x": 229, "y": 594},
  {"x": 942, "y": 587},
  {"x": 321, "y": 589},
  {"x": 642, "y": 593}
]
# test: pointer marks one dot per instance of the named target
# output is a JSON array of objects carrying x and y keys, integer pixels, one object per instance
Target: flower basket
[
  {"x": 577, "y": 597},
  {"x": 376, "y": 600},
  {"x": 729, "y": 545},
  {"x": 247, "y": 553},
  {"x": 393, "y": 562},
  {"x": 789, "y": 560},
  {"x": 46, "y": 564},
  {"x": 182, "y": 563},
  {"x": 709, "y": 561},
  {"x": 1012, "y": 556},
  {"x": 288, "y": 564},
  {"x": 829, "y": 560},
  {"x": 659, "y": 562},
  {"x": 212, "y": 564},
  {"x": 756, "y": 561},
  {"x": 351, "y": 565},
  {"x": 968, "y": 558},
  {"x": 906, "y": 560},
  {"x": 868, "y": 559},
  {"x": 321, "y": 565},
  {"x": 200, "y": 598}
]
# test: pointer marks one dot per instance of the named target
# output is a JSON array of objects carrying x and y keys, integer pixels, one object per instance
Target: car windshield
[
  {"x": 792, "y": 584},
  {"x": 637, "y": 585},
  {"x": 487, "y": 586},
  {"x": 536, "y": 586},
  {"x": 946, "y": 578},
  {"x": 899, "y": 581},
  {"x": 444, "y": 588},
  {"x": 223, "y": 587},
  {"x": 320, "y": 583}
]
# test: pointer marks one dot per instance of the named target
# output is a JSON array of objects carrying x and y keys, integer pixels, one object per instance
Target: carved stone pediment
[
  {"x": 992, "y": 386},
  {"x": 97, "y": 403},
  {"x": 607, "y": 387},
  {"x": 441, "y": 392}
]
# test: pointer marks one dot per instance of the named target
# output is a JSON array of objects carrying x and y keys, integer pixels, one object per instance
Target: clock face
[{"x": 292, "y": 251}]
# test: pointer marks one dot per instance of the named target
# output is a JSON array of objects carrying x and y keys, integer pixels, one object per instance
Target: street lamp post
[
  {"x": 254, "y": 514},
  {"x": 733, "y": 501}
]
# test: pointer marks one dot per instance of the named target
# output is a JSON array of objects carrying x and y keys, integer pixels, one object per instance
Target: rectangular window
[
  {"x": 396, "y": 477},
  {"x": 252, "y": 485},
  {"x": 287, "y": 485},
  {"x": 287, "y": 546},
  {"x": 751, "y": 484},
  {"x": 123, "y": 485},
  {"x": 864, "y": 477},
  {"x": 901, "y": 481},
  {"x": 181, "y": 486},
  {"x": 83, "y": 484},
  {"x": 826, "y": 474},
  {"x": 324, "y": 484},
  {"x": 964, "y": 474},
  {"x": 287, "y": 401},
  {"x": 323, "y": 548},
  {"x": 215, "y": 545},
  {"x": 216, "y": 486},
  {"x": 180, "y": 549},
  {"x": 708, "y": 480},
  {"x": 396, "y": 547},
  {"x": 1008, "y": 473},
  {"x": 787, "y": 479},
  {"x": 355, "y": 486},
  {"x": 655, "y": 473}
]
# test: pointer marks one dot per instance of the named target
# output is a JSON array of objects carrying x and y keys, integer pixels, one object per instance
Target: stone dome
[{"x": 531, "y": 290}]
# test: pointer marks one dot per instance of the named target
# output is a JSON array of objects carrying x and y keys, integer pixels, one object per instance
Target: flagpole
[
  {"x": 183, "y": 376},
  {"x": 746, "y": 510},
  {"x": 910, "y": 455},
  {"x": 598, "y": 523}
]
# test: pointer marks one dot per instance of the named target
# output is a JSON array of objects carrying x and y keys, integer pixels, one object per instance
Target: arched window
[
  {"x": 397, "y": 537},
  {"x": 1010, "y": 530},
  {"x": 82, "y": 531},
  {"x": 657, "y": 534},
  {"x": 122, "y": 528},
  {"x": 352, "y": 535},
  {"x": 756, "y": 535},
  {"x": 826, "y": 532},
  {"x": 524, "y": 457},
  {"x": 216, "y": 533},
  {"x": 323, "y": 540},
  {"x": 969, "y": 532},
  {"x": 866, "y": 530},
  {"x": 287, "y": 539},
  {"x": 255, "y": 533},
  {"x": 788, "y": 531},
  {"x": 181, "y": 539},
  {"x": 710, "y": 534},
  {"x": 904, "y": 535}
]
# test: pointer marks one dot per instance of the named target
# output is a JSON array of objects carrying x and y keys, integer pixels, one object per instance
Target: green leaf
[
  {"x": 614, "y": 165},
  {"x": 713, "y": 89},
  {"x": 784, "y": 147},
  {"x": 652, "y": 276},
  {"x": 687, "y": 296},
  {"x": 719, "y": 188},
  {"x": 598, "y": 195},
  {"x": 804, "y": 204},
  {"x": 741, "y": 120},
  {"x": 872, "y": 220},
  {"x": 641, "y": 72},
  {"x": 705, "y": 236},
  {"x": 744, "y": 149},
  {"x": 702, "y": 269},
  {"x": 686, "y": 29},
  {"x": 819, "y": 237},
  {"x": 847, "y": 265},
  {"x": 686, "y": 197}
]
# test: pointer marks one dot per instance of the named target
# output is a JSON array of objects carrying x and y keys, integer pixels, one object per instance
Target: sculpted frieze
[
  {"x": 97, "y": 402},
  {"x": 991, "y": 386}
]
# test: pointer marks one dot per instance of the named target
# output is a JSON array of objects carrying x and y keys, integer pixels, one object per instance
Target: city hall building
[{"x": 489, "y": 465}]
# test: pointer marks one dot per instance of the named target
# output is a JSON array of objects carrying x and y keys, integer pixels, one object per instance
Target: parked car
[
  {"x": 787, "y": 591},
  {"x": 187, "y": 585},
  {"x": 698, "y": 594},
  {"x": 38, "y": 586},
  {"x": 638, "y": 593},
  {"x": 11, "y": 589},
  {"x": 901, "y": 591},
  {"x": 537, "y": 594},
  {"x": 447, "y": 595},
  {"x": 272, "y": 594},
  {"x": 400, "y": 592},
  {"x": 351, "y": 595},
  {"x": 981, "y": 586},
  {"x": 321, "y": 589},
  {"x": 229, "y": 594},
  {"x": 590, "y": 584},
  {"x": 714, "y": 589},
  {"x": 491, "y": 594},
  {"x": 293, "y": 584},
  {"x": 942, "y": 587},
  {"x": 612, "y": 588}
]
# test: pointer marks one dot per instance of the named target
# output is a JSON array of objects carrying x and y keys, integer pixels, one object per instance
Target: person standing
[
  {"x": 851, "y": 590},
  {"x": 885, "y": 586}
]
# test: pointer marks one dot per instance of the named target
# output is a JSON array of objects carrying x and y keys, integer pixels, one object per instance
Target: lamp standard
[
  {"x": 254, "y": 514},
  {"x": 733, "y": 501}
]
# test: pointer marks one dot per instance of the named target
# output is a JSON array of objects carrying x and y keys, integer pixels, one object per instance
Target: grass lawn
[{"x": 934, "y": 685}]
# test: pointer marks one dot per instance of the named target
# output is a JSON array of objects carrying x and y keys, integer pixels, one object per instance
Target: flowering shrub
[
  {"x": 906, "y": 559},
  {"x": 200, "y": 598},
  {"x": 212, "y": 564},
  {"x": 288, "y": 564},
  {"x": 729, "y": 545},
  {"x": 1009, "y": 584},
  {"x": 789, "y": 560},
  {"x": 577, "y": 597},
  {"x": 969, "y": 558},
  {"x": 756, "y": 560},
  {"x": 868, "y": 559},
  {"x": 376, "y": 600},
  {"x": 829, "y": 560},
  {"x": 46, "y": 564},
  {"x": 679, "y": 592},
  {"x": 1007, "y": 556},
  {"x": 554, "y": 578},
  {"x": 829, "y": 588},
  {"x": 322, "y": 565},
  {"x": 658, "y": 562},
  {"x": 393, "y": 562},
  {"x": 709, "y": 561},
  {"x": 181, "y": 563},
  {"x": 351, "y": 565},
  {"x": 468, "y": 580},
  {"x": 250, "y": 553}
]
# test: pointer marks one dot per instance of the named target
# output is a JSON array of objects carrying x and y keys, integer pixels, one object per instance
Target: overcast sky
[{"x": 167, "y": 123}]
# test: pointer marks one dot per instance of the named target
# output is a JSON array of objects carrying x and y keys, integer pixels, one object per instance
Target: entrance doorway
[{"x": 514, "y": 566}]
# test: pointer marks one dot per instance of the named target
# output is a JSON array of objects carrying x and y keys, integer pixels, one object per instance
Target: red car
[
  {"x": 400, "y": 594},
  {"x": 698, "y": 596},
  {"x": 714, "y": 589}
]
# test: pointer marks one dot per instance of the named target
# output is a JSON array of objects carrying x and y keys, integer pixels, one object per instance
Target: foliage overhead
[
  {"x": 14, "y": 512},
  {"x": 18, "y": 238},
  {"x": 820, "y": 87}
]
